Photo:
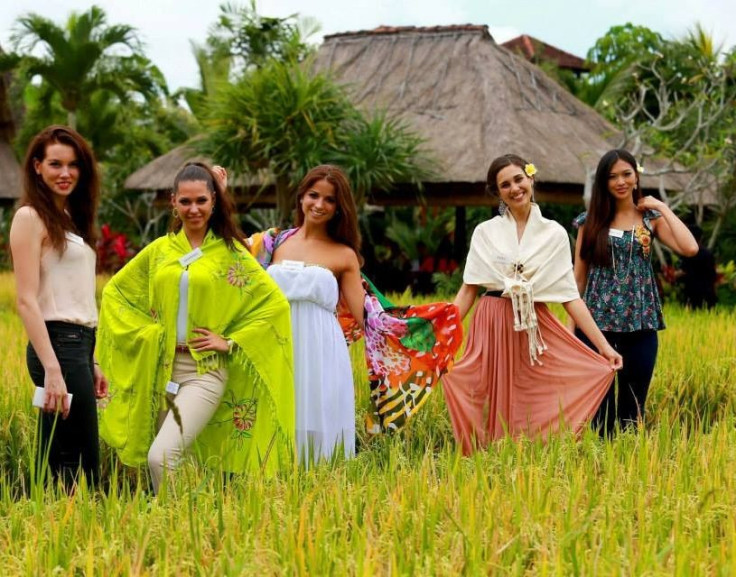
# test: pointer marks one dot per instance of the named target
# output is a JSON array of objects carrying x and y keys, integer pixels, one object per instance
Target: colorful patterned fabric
[
  {"x": 230, "y": 294},
  {"x": 624, "y": 298},
  {"x": 407, "y": 349}
]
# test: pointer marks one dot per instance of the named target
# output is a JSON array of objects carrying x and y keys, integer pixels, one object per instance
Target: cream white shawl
[{"x": 538, "y": 268}]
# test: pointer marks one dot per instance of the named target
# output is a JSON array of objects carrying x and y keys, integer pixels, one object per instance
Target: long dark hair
[
  {"x": 343, "y": 227},
  {"x": 602, "y": 210},
  {"x": 221, "y": 222},
  {"x": 497, "y": 165},
  {"x": 81, "y": 205}
]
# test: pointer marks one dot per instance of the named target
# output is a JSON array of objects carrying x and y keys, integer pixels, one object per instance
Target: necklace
[{"x": 616, "y": 275}]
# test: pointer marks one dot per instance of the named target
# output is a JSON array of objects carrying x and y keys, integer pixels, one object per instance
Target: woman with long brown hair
[
  {"x": 315, "y": 265},
  {"x": 195, "y": 339},
  {"x": 407, "y": 349},
  {"x": 613, "y": 271},
  {"x": 52, "y": 241},
  {"x": 522, "y": 372}
]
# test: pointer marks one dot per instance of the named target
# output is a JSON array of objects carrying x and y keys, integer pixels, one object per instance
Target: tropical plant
[
  {"x": 82, "y": 58},
  {"x": 284, "y": 118},
  {"x": 252, "y": 39}
]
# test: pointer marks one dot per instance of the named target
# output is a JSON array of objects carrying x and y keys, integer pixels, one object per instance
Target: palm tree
[
  {"x": 83, "y": 57},
  {"x": 284, "y": 119}
]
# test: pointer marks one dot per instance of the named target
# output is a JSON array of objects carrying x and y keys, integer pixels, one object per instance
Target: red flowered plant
[{"x": 114, "y": 249}]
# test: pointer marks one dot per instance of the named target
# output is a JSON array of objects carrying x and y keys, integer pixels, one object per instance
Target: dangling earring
[
  {"x": 502, "y": 207},
  {"x": 175, "y": 213}
]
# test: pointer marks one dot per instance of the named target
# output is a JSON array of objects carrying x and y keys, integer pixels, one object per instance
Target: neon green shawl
[{"x": 229, "y": 294}]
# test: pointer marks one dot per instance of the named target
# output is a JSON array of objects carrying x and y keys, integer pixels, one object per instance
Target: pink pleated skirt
[{"x": 495, "y": 391}]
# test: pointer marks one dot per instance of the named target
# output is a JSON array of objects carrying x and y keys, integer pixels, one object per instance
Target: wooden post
[{"x": 461, "y": 234}]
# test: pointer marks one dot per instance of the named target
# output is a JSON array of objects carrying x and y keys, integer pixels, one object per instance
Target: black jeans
[
  {"x": 623, "y": 407},
  {"x": 72, "y": 444}
]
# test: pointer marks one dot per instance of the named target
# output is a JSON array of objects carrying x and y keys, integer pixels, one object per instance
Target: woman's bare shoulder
[{"x": 26, "y": 218}]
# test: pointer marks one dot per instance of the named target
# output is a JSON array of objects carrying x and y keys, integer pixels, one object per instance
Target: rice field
[{"x": 655, "y": 501}]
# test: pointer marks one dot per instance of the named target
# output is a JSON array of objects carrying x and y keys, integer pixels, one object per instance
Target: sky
[{"x": 167, "y": 26}]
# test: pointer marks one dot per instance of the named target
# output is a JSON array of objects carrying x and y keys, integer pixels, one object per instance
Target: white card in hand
[{"x": 39, "y": 398}]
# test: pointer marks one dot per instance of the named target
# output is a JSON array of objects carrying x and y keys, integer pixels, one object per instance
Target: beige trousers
[{"x": 198, "y": 398}]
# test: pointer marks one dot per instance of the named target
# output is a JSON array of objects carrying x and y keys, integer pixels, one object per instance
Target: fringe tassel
[{"x": 525, "y": 317}]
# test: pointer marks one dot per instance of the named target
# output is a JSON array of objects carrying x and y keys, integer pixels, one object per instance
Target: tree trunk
[
  {"x": 461, "y": 233},
  {"x": 71, "y": 119},
  {"x": 284, "y": 201},
  {"x": 716, "y": 230}
]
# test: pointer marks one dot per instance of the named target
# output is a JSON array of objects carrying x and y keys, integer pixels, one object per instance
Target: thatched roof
[
  {"x": 9, "y": 167},
  {"x": 535, "y": 50},
  {"x": 10, "y": 181},
  {"x": 472, "y": 100},
  {"x": 158, "y": 175}
]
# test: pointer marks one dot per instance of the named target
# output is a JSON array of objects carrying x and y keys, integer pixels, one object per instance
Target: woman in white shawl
[{"x": 522, "y": 371}]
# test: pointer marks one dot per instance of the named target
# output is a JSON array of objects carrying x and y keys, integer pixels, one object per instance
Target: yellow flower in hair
[
  {"x": 639, "y": 168},
  {"x": 530, "y": 169}
]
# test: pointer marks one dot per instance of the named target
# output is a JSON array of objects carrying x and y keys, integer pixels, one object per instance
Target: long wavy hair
[
  {"x": 222, "y": 219},
  {"x": 602, "y": 210},
  {"x": 343, "y": 226},
  {"x": 81, "y": 205},
  {"x": 497, "y": 165}
]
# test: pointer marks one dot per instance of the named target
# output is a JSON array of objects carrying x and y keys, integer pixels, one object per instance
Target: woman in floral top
[{"x": 614, "y": 273}]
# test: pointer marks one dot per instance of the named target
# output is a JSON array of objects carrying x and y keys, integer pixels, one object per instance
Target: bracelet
[{"x": 230, "y": 346}]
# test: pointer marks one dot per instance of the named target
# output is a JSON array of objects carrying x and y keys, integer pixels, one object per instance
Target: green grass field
[{"x": 658, "y": 501}]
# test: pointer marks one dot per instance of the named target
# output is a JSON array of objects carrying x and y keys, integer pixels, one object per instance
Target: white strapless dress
[{"x": 323, "y": 376}]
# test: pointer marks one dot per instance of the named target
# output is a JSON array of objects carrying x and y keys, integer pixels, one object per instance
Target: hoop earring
[{"x": 175, "y": 213}]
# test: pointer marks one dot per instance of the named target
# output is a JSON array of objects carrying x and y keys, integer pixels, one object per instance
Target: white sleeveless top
[{"x": 67, "y": 285}]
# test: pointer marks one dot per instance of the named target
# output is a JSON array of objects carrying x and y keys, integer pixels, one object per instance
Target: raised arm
[
  {"x": 669, "y": 229},
  {"x": 26, "y": 237}
]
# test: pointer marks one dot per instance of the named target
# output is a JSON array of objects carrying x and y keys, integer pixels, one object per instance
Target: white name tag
[
  {"x": 75, "y": 238},
  {"x": 189, "y": 258},
  {"x": 295, "y": 264},
  {"x": 172, "y": 387},
  {"x": 618, "y": 233},
  {"x": 502, "y": 259}
]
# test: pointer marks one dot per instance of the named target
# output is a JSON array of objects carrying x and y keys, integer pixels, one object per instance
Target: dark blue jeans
[
  {"x": 624, "y": 406},
  {"x": 72, "y": 444}
]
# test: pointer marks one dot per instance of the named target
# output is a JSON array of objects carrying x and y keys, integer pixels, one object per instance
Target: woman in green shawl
[{"x": 195, "y": 339}]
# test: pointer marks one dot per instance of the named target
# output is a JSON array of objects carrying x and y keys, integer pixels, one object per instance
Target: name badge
[
  {"x": 75, "y": 238},
  {"x": 189, "y": 258},
  {"x": 502, "y": 260},
  {"x": 615, "y": 232},
  {"x": 172, "y": 387},
  {"x": 292, "y": 264}
]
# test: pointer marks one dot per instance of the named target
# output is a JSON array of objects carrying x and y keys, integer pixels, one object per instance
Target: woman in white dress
[{"x": 315, "y": 265}]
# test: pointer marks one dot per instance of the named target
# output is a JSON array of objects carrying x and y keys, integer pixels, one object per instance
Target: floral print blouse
[{"x": 623, "y": 297}]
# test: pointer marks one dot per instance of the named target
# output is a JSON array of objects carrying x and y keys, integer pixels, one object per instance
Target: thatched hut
[
  {"x": 10, "y": 186},
  {"x": 472, "y": 100}
]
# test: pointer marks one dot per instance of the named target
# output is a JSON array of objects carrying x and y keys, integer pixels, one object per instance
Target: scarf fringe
[
  {"x": 244, "y": 362},
  {"x": 525, "y": 317}
]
